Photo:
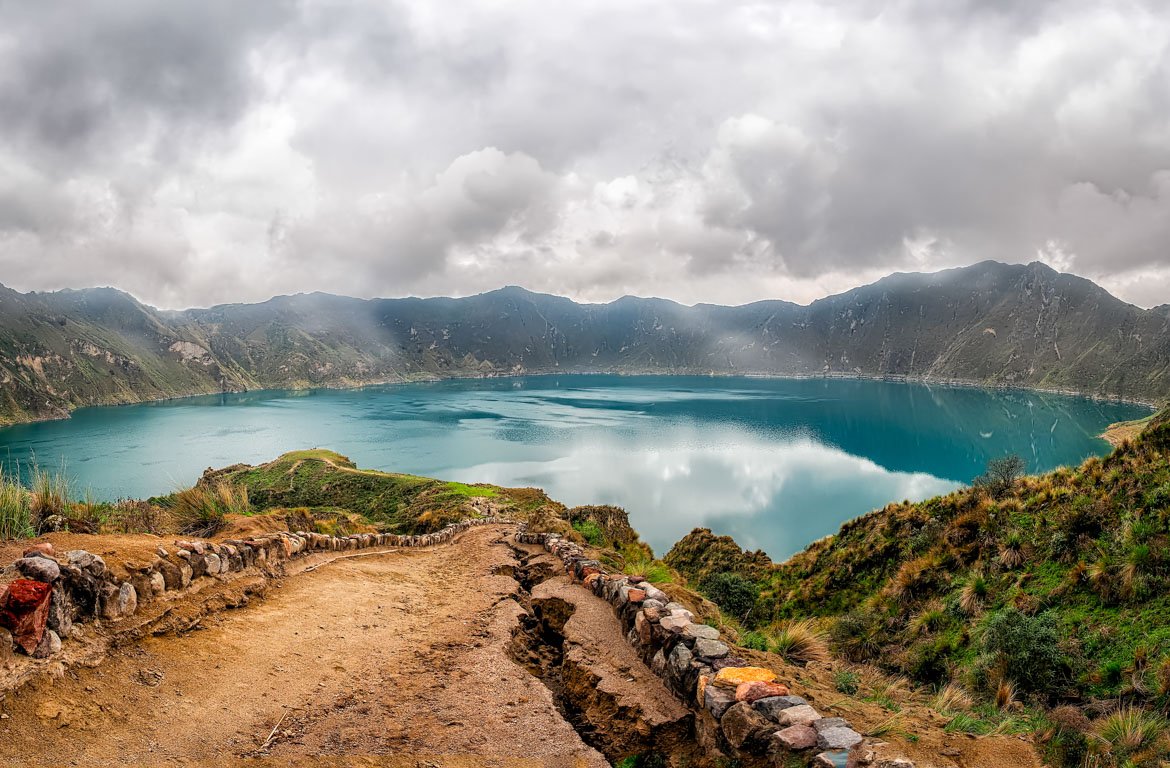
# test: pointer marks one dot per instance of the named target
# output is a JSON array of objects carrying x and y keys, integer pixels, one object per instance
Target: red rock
[
  {"x": 757, "y": 689},
  {"x": 637, "y": 595},
  {"x": 24, "y": 609},
  {"x": 795, "y": 738},
  {"x": 592, "y": 579},
  {"x": 43, "y": 548},
  {"x": 588, "y": 571}
]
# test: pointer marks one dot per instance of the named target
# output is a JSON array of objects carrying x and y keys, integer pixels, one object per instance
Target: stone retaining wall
[
  {"x": 753, "y": 716},
  {"x": 38, "y": 610}
]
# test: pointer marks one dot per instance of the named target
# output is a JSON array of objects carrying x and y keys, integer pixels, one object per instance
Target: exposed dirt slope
[{"x": 385, "y": 659}]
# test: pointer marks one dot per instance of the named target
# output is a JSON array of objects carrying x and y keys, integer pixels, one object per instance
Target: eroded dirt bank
[{"x": 375, "y": 660}]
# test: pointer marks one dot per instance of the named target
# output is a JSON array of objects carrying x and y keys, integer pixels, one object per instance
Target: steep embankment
[{"x": 991, "y": 323}]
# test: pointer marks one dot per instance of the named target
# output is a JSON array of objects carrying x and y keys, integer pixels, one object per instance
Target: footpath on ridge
[{"x": 376, "y": 660}]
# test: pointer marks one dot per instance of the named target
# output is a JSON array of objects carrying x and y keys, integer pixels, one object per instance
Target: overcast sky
[{"x": 220, "y": 150}]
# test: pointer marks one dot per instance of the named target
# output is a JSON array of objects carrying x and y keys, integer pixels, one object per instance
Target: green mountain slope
[
  {"x": 991, "y": 323},
  {"x": 1053, "y": 591}
]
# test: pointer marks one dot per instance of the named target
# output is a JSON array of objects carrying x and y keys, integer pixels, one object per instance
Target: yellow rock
[
  {"x": 702, "y": 690},
  {"x": 732, "y": 677}
]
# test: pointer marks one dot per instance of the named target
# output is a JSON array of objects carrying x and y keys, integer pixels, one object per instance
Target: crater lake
[{"x": 776, "y": 463}]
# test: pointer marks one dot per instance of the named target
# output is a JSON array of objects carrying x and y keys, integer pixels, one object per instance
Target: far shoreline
[{"x": 1114, "y": 432}]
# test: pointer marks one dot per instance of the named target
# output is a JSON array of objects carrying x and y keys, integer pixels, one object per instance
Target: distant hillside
[{"x": 990, "y": 323}]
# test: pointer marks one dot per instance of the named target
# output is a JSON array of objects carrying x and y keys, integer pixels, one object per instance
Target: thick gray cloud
[{"x": 198, "y": 152}]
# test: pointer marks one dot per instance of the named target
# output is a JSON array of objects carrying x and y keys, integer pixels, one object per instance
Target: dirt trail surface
[{"x": 395, "y": 659}]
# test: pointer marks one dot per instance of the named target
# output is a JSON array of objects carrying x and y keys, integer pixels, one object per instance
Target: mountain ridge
[{"x": 988, "y": 324}]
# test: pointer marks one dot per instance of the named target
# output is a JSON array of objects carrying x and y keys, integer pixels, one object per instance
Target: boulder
[
  {"x": 50, "y": 644},
  {"x": 127, "y": 599},
  {"x": 717, "y": 701},
  {"x": 24, "y": 611},
  {"x": 744, "y": 728},
  {"x": 60, "y": 618},
  {"x": 172, "y": 576},
  {"x": 772, "y": 706},
  {"x": 214, "y": 563},
  {"x": 643, "y": 628},
  {"x": 802, "y": 714},
  {"x": 680, "y": 661},
  {"x": 86, "y": 561},
  {"x": 732, "y": 677},
  {"x": 711, "y": 649},
  {"x": 43, "y": 548},
  {"x": 700, "y": 631},
  {"x": 39, "y": 568},
  {"x": 755, "y": 690},
  {"x": 837, "y": 738},
  {"x": 795, "y": 738},
  {"x": 825, "y": 723}
]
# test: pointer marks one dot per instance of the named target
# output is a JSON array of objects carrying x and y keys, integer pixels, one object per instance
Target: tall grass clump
[
  {"x": 1133, "y": 734},
  {"x": 16, "y": 516},
  {"x": 202, "y": 510},
  {"x": 800, "y": 642}
]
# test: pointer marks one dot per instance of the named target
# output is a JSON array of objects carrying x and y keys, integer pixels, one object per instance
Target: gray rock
[
  {"x": 657, "y": 605},
  {"x": 672, "y": 607},
  {"x": 658, "y": 664},
  {"x": 127, "y": 599},
  {"x": 86, "y": 561},
  {"x": 158, "y": 583},
  {"x": 838, "y": 738},
  {"x": 39, "y": 569},
  {"x": 801, "y": 714},
  {"x": 214, "y": 564},
  {"x": 60, "y": 611},
  {"x": 711, "y": 649},
  {"x": 772, "y": 706},
  {"x": 680, "y": 660},
  {"x": 700, "y": 632},
  {"x": 185, "y": 573},
  {"x": 718, "y": 700},
  {"x": 656, "y": 594},
  {"x": 674, "y": 623},
  {"x": 825, "y": 723},
  {"x": 50, "y": 644},
  {"x": 897, "y": 762}
]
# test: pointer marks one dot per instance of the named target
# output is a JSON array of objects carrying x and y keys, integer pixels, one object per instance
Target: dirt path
[{"x": 398, "y": 659}]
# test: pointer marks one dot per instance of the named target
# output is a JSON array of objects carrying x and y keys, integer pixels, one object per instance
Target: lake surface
[{"x": 776, "y": 463}]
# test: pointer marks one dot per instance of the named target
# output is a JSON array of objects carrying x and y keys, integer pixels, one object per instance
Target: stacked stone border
[
  {"x": 39, "y": 609},
  {"x": 752, "y": 715}
]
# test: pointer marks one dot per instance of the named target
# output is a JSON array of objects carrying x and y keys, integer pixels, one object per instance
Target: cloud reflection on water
[{"x": 776, "y": 496}]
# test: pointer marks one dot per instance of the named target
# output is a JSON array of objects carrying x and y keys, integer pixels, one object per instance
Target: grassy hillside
[
  {"x": 1046, "y": 594},
  {"x": 322, "y": 479}
]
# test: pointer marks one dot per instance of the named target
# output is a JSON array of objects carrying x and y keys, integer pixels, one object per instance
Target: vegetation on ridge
[{"x": 1048, "y": 595}]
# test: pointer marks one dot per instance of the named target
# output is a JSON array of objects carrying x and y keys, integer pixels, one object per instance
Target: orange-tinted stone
[
  {"x": 732, "y": 677},
  {"x": 637, "y": 595}
]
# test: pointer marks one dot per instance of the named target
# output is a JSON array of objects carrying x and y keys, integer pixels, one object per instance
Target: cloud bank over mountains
[{"x": 203, "y": 152}]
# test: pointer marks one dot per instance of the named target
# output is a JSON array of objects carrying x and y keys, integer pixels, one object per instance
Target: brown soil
[{"x": 395, "y": 659}]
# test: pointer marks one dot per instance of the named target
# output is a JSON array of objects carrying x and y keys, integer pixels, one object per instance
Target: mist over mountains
[{"x": 1002, "y": 325}]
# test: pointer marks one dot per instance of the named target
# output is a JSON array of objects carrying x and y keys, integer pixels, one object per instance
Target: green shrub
[
  {"x": 1025, "y": 648},
  {"x": 733, "y": 593},
  {"x": 201, "y": 510},
  {"x": 847, "y": 681},
  {"x": 755, "y": 640},
  {"x": 16, "y": 517},
  {"x": 591, "y": 531},
  {"x": 1001, "y": 475}
]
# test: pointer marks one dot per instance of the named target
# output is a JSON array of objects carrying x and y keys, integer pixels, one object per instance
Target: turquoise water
[{"x": 775, "y": 463}]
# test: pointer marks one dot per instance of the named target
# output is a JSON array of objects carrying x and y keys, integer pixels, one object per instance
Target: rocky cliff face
[{"x": 991, "y": 323}]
